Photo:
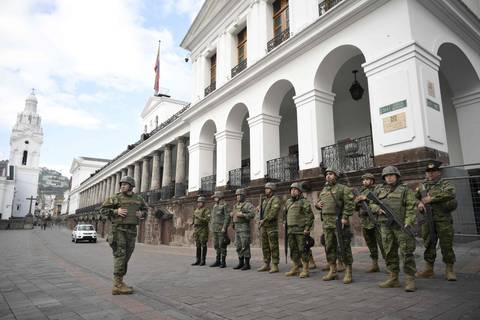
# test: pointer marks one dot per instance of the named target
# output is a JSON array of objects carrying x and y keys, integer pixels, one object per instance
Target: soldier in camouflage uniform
[
  {"x": 201, "y": 219},
  {"x": 371, "y": 233},
  {"x": 441, "y": 198},
  {"x": 243, "y": 211},
  {"x": 299, "y": 218},
  {"x": 219, "y": 225},
  {"x": 335, "y": 195},
  {"x": 269, "y": 229},
  {"x": 401, "y": 199},
  {"x": 124, "y": 210}
]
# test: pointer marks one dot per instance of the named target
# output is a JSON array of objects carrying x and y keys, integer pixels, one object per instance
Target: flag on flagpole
[{"x": 156, "y": 86}]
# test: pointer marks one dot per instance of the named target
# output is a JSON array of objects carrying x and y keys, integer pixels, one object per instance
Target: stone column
[
  {"x": 180, "y": 187},
  {"x": 117, "y": 185},
  {"x": 137, "y": 176},
  {"x": 167, "y": 172},
  {"x": 96, "y": 195},
  {"x": 467, "y": 107},
  {"x": 264, "y": 143},
  {"x": 155, "y": 185},
  {"x": 315, "y": 126},
  {"x": 229, "y": 154},
  {"x": 113, "y": 184},
  {"x": 104, "y": 190},
  {"x": 145, "y": 175},
  {"x": 108, "y": 182},
  {"x": 130, "y": 170},
  {"x": 200, "y": 164}
]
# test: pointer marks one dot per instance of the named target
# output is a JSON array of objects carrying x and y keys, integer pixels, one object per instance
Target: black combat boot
[
  {"x": 204, "y": 255},
  {"x": 199, "y": 252},
  {"x": 247, "y": 264},
  {"x": 223, "y": 263},
  {"x": 240, "y": 264},
  {"x": 217, "y": 261}
]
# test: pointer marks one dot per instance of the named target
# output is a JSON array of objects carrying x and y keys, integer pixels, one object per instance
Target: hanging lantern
[{"x": 356, "y": 89}]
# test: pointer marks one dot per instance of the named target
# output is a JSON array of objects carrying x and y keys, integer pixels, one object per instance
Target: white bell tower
[{"x": 25, "y": 143}]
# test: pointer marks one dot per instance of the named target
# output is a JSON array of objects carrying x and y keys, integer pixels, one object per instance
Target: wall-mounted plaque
[
  {"x": 395, "y": 122},
  {"x": 393, "y": 106}
]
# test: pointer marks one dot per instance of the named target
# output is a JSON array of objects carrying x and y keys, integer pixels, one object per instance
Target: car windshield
[{"x": 85, "y": 228}]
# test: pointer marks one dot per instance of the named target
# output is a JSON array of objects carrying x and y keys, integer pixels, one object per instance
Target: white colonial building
[
  {"x": 281, "y": 86},
  {"x": 20, "y": 183}
]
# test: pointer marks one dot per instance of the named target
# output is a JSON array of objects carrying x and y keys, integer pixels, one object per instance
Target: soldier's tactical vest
[
  {"x": 267, "y": 206},
  {"x": 218, "y": 215},
  {"x": 329, "y": 203},
  {"x": 132, "y": 203},
  {"x": 441, "y": 207},
  {"x": 238, "y": 207},
  {"x": 296, "y": 215},
  {"x": 395, "y": 199},
  {"x": 198, "y": 216}
]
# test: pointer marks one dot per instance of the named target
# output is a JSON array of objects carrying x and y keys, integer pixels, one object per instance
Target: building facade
[{"x": 282, "y": 86}]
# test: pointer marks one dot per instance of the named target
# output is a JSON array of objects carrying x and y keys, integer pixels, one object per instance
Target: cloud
[{"x": 188, "y": 7}]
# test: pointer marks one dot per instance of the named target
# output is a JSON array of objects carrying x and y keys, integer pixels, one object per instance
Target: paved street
[{"x": 45, "y": 276}]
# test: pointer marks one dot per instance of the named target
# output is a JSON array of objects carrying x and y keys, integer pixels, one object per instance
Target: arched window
[{"x": 24, "y": 159}]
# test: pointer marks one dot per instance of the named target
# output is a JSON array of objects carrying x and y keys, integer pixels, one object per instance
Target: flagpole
[{"x": 156, "y": 86}]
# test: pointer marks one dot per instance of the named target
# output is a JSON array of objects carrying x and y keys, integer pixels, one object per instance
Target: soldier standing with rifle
[
  {"x": 370, "y": 227},
  {"x": 268, "y": 224},
  {"x": 124, "y": 210},
  {"x": 243, "y": 211},
  {"x": 396, "y": 219},
  {"x": 201, "y": 219},
  {"x": 219, "y": 225},
  {"x": 437, "y": 201},
  {"x": 336, "y": 205},
  {"x": 299, "y": 221}
]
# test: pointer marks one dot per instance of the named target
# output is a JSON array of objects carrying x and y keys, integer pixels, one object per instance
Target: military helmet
[
  {"x": 129, "y": 180},
  {"x": 270, "y": 185},
  {"x": 218, "y": 194},
  {"x": 201, "y": 199},
  {"x": 296, "y": 185},
  {"x": 241, "y": 192},
  {"x": 390, "y": 170},
  {"x": 368, "y": 176},
  {"x": 309, "y": 242},
  {"x": 333, "y": 170},
  {"x": 433, "y": 166}
]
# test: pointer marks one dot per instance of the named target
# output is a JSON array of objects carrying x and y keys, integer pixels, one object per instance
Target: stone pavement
[{"x": 45, "y": 276}]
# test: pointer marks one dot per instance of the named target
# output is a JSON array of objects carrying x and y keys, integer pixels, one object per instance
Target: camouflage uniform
[
  {"x": 123, "y": 232},
  {"x": 343, "y": 195},
  {"x": 442, "y": 194},
  {"x": 299, "y": 218},
  {"x": 269, "y": 232},
  {"x": 242, "y": 230},
  {"x": 220, "y": 220},
  {"x": 201, "y": 219},
  {"x": 370, "y": 232}
]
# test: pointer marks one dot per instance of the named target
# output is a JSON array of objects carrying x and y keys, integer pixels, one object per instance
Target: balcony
[
  {"x": 210, "y": 88},
  {"x": 208, "y": 184},
  {"x": 349, "y": 154},
  {"x": 278, "y": 39},
  {"x": 326, "y": 5},
  {"x": 283, "y": 169},
  {"x": 240, "y": 177},
  {"x": 239, "y": 67}
]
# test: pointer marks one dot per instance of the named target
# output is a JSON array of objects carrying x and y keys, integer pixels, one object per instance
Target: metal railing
[
  {"x": 210, "y": 88},
  {"x": 349, "y": 154},
  {"x": 239, "y": 177},
  {"x": 91, "y": 208},
  {"x": 283, "y": 169},
  {"x": 278, "y": 39},
  {"x": 326, "y": 5},
  {"x": 239, "y": 67},
  {"x": 168, "y": 192},
  {"x": 208, "y": 184}
]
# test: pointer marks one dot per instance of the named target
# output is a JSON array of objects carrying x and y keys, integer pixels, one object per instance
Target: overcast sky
[{"x": 91, "y": 63}]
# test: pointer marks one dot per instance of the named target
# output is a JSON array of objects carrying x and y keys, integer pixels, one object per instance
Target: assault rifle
[
  {"x": 366, "y": 208},
  {"x": 391, "y": 217},
  {"x": 339, "y": 228},
  {"x": 432, "y": 233}
]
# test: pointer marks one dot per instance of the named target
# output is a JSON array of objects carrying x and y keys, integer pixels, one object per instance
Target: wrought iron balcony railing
[
  {"x": 283, "y": 169},
  {"x": 208, "y": 184},
  {"x": 239, "y": 177},
  {"x": 88, "y": 209},
  {"x": 326, "y": 5},
  {"x": 239, "y": 67},
  {"x": 350, "y": 154},
  {"x": 210, "y": 88},
  {"x": 278, "y": 39}
]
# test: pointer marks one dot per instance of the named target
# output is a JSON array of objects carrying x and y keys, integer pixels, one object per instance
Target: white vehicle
[{"x": 84, "y": 232}]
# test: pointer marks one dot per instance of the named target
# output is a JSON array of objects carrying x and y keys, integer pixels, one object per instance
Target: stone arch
[
  {"x": 207, "y": 132},
  {"x": 275, "y": 95}
]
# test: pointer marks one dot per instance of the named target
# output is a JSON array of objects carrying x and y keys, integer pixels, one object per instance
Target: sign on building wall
[
  {"x": 393, "y": 106},
  {"x": 433, "y": 105},
  {"x": 395, "y": 122}
]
